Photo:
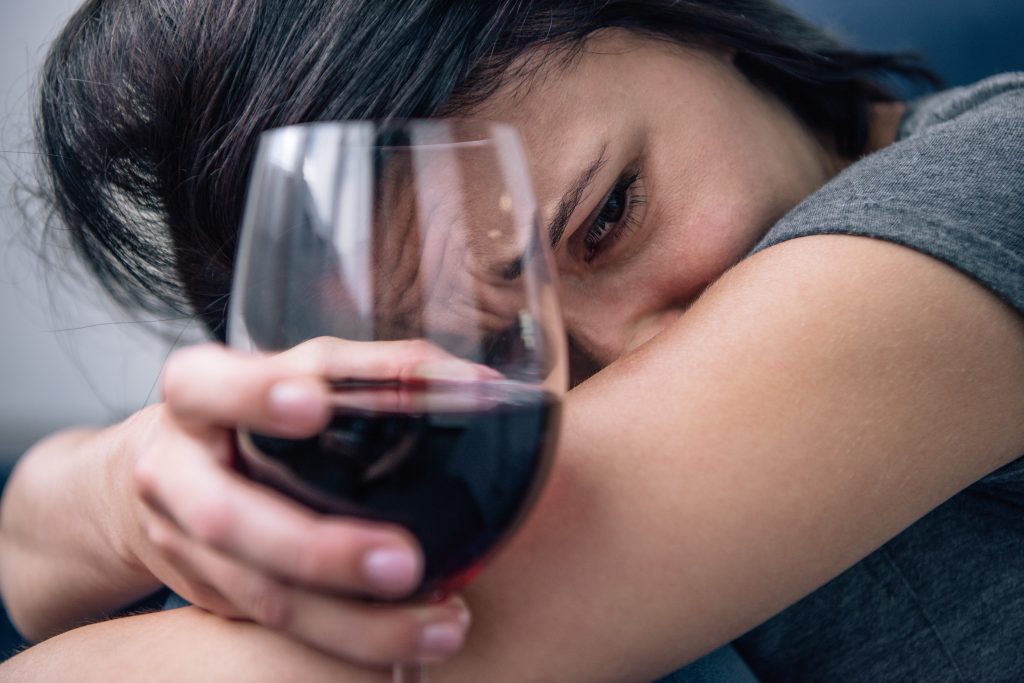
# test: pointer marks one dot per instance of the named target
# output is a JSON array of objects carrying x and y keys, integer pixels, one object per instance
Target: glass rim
[{"x": 398, "y": 123}]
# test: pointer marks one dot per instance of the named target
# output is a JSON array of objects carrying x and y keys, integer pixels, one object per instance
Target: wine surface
[{"x": 456, "y": 464}]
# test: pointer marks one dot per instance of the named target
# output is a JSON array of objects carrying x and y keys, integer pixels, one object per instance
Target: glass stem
[{"x": 409, "y": 673}]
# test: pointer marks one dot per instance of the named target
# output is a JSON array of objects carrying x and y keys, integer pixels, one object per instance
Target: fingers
[
  {"x": 342, "y": 359},
  {"x": 177, "y": 571},
  {"x": 237, "y": 548},
  {"x": 287, "y": 394},
  {"x": 361, "y": 632},
  {"x": 210, "y": 385},
  {"x": 253, "y": 525},
  {"x": 405, "y": 360},
  {"x": 377, "y": 634}
]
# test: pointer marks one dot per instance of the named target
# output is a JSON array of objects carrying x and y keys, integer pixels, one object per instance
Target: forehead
[
  {"x": 563, "y": 92},
  {"x": 565, "y": 108},
  {"x": 559, "y": 83}
]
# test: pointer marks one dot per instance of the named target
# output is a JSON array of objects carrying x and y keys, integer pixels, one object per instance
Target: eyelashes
[{"x": 616, "y": 218}]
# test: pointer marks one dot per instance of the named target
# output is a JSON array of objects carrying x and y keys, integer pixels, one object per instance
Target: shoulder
[
  {"x": 970, "y": 137},
  {"x": 995, "y": 99},
  {"x": 950, "y": 187},
  {"x": 976, "y": 132}
]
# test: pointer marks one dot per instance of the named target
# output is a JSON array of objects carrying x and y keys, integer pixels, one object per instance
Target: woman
[{"x": 777, "y": 406}]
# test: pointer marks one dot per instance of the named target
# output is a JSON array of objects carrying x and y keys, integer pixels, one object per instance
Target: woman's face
[{"x": 659, "y": 167}]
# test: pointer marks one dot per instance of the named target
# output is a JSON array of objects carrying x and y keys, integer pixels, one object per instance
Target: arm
[
  {"x": 180, "y": 645},
  {"x": 94, "y": 520},
  {"x": 821, "y": 397},
  {"x": 817, "y": 400},
  {"x": 64, "y": 540}
]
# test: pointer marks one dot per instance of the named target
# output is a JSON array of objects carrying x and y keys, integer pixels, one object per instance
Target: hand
[{"x": 240, "y": 550}]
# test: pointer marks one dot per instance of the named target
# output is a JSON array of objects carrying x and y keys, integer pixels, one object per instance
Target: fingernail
[
  {"x": 440, "y": 640},
  {"x": 463, "y": 617},
  {"x": 453, "y": 371},
  {"x": 391, "y": 570},
  {"x": 290, "y": 400}
]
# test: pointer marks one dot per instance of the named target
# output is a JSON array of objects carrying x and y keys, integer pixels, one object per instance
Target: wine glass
[{"x": 424, "y": 231}]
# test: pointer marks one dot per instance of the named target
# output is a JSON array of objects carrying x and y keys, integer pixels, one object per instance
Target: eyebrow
[{"x": 566, "y": 208}]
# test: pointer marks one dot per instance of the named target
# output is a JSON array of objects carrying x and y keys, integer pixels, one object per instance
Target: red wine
[{"x": 456, "y": 464}]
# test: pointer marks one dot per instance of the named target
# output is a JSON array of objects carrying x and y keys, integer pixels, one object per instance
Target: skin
[
  {"x": 719, "y": 160},
  {"x": 790, "y": 417}
]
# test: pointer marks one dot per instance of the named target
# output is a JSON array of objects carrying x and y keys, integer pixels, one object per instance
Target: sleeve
[{"x": 953, "y": 189}]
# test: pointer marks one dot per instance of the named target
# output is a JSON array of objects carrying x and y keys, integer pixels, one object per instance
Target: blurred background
[
  {"x": 64, "y": 356},
  {"x": 68, "y": 358}
]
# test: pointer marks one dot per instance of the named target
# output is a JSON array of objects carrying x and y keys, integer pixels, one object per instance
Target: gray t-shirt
[{"x": 944, "y": 600}]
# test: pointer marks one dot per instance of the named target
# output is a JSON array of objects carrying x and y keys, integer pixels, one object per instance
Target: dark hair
[{"x": 150, "y": 111}]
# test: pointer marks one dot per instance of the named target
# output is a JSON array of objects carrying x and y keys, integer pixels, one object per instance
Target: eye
[{"x": 616, "y": 214}]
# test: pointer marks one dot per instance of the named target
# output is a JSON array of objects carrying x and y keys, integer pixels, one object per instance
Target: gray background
[
  {"x": 61, "y": 362},
  {"x": 67, "y": 358}
]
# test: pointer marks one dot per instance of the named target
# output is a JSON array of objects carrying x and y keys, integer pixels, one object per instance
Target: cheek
[
  {"x": 600, "y": 313},
  {"x": 708, "y": 230},
  {"x": 687, "y": 242},
  {"x": 702, "y": 223},
  {"x": 723, "y": 234},
  {"x": 693, "y": 241}
]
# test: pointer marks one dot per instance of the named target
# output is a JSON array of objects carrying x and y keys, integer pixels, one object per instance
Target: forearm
[
  {"x": 66, "y": 533},
  {"x": 180, "y": 645},
  {"x": 808, "y": 409}
]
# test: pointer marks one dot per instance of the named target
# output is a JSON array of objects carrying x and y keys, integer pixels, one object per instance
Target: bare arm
[
  {"x": 95, "y": 520},
  {"x": 180, "y": 645},
  {"x": 819, "y": 399},
  {"x": 64, "y": 537}
]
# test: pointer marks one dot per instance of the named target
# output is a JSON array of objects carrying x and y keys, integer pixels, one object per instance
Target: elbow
[
  {"x": 20, "y": 559},
  {"x": 18, "y": 609},
  {"x": 16, "y": 600},
  {"x": 19, "y": 618},
  {"x": 20, "y": 595}
]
